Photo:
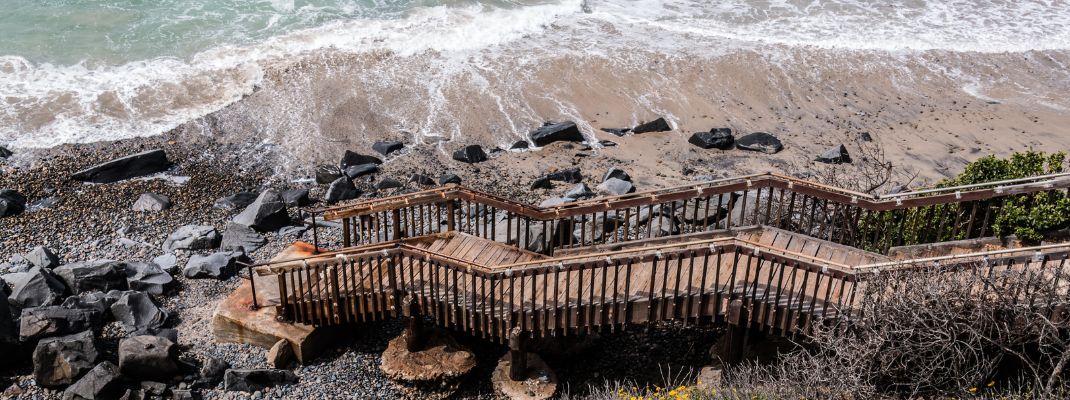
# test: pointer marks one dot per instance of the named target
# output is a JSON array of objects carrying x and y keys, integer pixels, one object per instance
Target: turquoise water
[{"x": 114, "y": 32}]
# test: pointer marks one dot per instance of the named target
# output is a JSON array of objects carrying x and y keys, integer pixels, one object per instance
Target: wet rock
[
  {"x": 254, "y": 380},
  {"x": 580, "y": 191},
  {"x": 238, "y": 236},
  {"x": 520, "y": 145},
  {"x": 280, "y": 355},
  {"x": 11, "y": 203},
  {"x": 357, "y": 171},
  {"x": 470, "y": 154},
  {"x": 102, "y": 275},
  {"x": 42, "y": 257},
  {"x": 296, "y": 197},
  {"x": 618, "y": 174},
  {"x": 760, "y": 141},
  {"x": 221, "y": 265},
  {"x": 352, "y": 158},
  {"x": 716, "y": 138},
  {"x": 340, "y": 190},
  {"x": 40, "y": 322},
  {"x": 386, "y": 147},
  {"x": 657, "y": 125},
  {"x": 59, "y": 361},
  {"x": 102, "y": 382},
  {"x": 235, "y": 201},
  {"x": 34, "y": 288},
  {"x": 328, "y": 173},
  {"x": 617, "y": 131},
  {"x": 835, "y": 155},
  {"x": 616, "y": 187},
  {"x": 5, "y": 153},
  {"x": 607, "y": 143},
  {"x": 212, "y": 371},
  {"x": 192, "y": 237},
  {"x": 267, "y": 213},
  {"x": 446, "y": 179},
  {"x": 137, "y": 313},
  {"x": 387, "y": 183},
  {"x": 422, "y": 179},
  {"x": 556, "y": 132},
  {"x": 150, "y": 358},
  {"x": 148, "y": 278},
  {"x": 133, "y": 166},
  {"x": 148, "y": 202}
]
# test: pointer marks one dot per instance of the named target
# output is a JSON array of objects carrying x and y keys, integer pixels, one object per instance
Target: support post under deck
[
  {"x": 735, "y": 338},
  {"x": 518, "y": 356}
]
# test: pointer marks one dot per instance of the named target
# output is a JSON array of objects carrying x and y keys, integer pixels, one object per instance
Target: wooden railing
[
  {"x": 695, "y": 282},
  {"x": 875, "y": 223}
]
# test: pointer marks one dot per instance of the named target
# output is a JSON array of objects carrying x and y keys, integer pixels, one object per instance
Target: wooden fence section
[
  {"x": 859, "y": 220},
  {"x": 782, "y": 292}
]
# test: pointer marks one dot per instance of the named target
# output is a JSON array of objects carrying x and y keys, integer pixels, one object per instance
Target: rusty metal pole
[{"x": 518, "y": 356}]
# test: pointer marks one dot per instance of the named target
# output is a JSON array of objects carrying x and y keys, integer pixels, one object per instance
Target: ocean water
[{"x": 91, "y": 70}]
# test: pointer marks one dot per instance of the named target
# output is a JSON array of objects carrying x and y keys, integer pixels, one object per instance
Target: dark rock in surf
[
  {"x": 470, "y": 154},
  {"x": 760, "y": 141},
  {"x": 556, "y": 132},
  {"x": 326, "y": 174},
  {"x": 4, "y": 152},
  {"x": 235, "y": 201},
  {"x": 357, "y": 171},
  {"x": 296, "y": 197},
  {"x": 657, "y": 125},
  {"x": 618, "y": 173},
  {"x": 133, "y": 166},
  {"x": 387, "y": 147},
  {"x": 520, "y": 145},
  {"x": 716, "y": 138},
  {"x": 267, "y": 213},
  {"x": 617, "y": 131},
  {"x": 340, "y": 190},
  {"x": 351, "y": 158},
  {"x": 11, "y": 203},
  {"x": 446, "y": 179}
]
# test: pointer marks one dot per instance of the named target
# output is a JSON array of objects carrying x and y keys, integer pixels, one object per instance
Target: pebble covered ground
[{"x": 95, "y": 221}]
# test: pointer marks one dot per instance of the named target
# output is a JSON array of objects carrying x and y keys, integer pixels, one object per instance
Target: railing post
[
  {"x": 450, "y": 222},
  {"x": 518, "y": 357},
  {"x": 315, "y": 236},
  {"x": 393, "y": 281},
  {"x": 252, "y": 286},
  {"x": 396, "y": 214}
]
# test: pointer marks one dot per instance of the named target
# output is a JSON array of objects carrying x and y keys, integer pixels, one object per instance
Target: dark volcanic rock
[
  {"x": 254, "y": 380},
  {"x": 835, "y": 155},
  {"x": 99, "y": 302},
  {"x": 580, "y": 191},
  {"x": 212, "y": 371},
  {"x": 34, "y": 288},
  {"x": 102, "y": 382},
  {"x": 618, "y": 173},
  {"x": 148, "y": 358},
  {"x": 151, "y": 202},
  {"x": 296, "y": 197},
  {"x": 11, "y": 203},
  {"x": 340, "y": 190},
  {"x": 102, "y": 275},
  {"x": 520, "y": 145},
  {"x": 616, "y": 187},
  {"x": 542, "y": 182},
  {"x": 42, "y": 257},
  {"x": 327, "y": 173},
  {"x": 446, "y": 179},
  {"x": 387, "y": 183},
  {"x": 617, "y": 131},
  {"x": 133, "y": 166},
  {"x": 8, "y": 332},
  {"x": 657, "y": 125},
  {"x": 556, "y": 132},
  {"x": 352, "y": 158},
  {"x": 58, "y": 361},
  {"x": 387, "y": 147},
  {"x": 40, "y": 322},
  {"x": 760, "y": 141},
  {"x": 137, "y": 313},
  {"x": 148, "y": 278},
  {"x": 235, "y": 201},
  {"x": 267, "y": 213},
  {"x": 422, "y": 179},
  {"x": 716, "y": 138},
  {"x": 357, "y": 171},
  {"x": 238, "y": 236},
  {"x": 865, "y": 137},
  {"x": 221, "y": 265},
  {"x": 4, "y": 152},
  {"x": 470, "y": 154},
  {"x": 607, "y": 143},
  {"x": 568, "y": 175},
  {"x": 192, "y": 237}
]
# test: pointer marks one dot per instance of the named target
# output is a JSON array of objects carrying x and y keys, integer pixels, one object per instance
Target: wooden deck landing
[{"x": 473, "y": 249}]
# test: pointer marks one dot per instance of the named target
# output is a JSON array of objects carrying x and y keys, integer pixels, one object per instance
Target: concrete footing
[
  {"x": 539, "y": 381},
  {"x": 434, "y": 372}
]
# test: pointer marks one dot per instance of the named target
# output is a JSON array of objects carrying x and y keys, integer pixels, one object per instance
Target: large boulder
[
  {"x": 102, "y": 275},
  {"x": 657, "y": 125},
  {"x": 148, "y": 278},
  {"x": 616, "y": 187},
  {"x": 296, "y": 197},
  {"x": 556, "y": 132},
  {"x": 470, "y": 154},
  {"x": 351, "y": 158},
  {"x": 102, "y": 382},
  {"x": 192, "y": 237},
  {"x": 618, "y": 173},
  {"x": 716, "y": 138},
  {"x": 254, "y": 380},
  {"x": 35, "y": 288},
  {"x": 357, "y": 171},
  {"x": 760, "y": 141},
  {"x": 267, "y": 213},
  {"x": 385, "y": 147},
  {"x": 151, "y": 202},
  {"x": 133, "y": 166},
  {"x": 98, "y": 302},
  {"x": 40, "y": 322},
  {"x": 221, "y": 265},
  {"x": 328, "y": 173},
  {"x": 148, "y": 358},
  {"x": 520, "y": 145},
  {"x": 446, "y": 179},
  {"x": 137, "y": 313},
  {"x": 238, "y": 236},
  {"x": 59, "y": 361},
  {"x": 835, "y": 155},
  {"x": 235, "y": 201},
  {"x": 42, "y": 257},
  {"x": 340, "y": 190},
  {"x": 11, "y": 203}
]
